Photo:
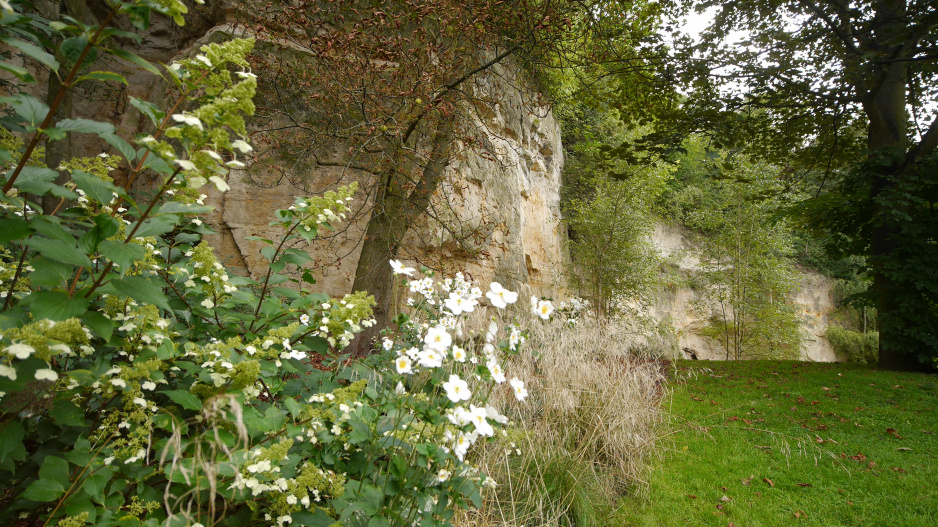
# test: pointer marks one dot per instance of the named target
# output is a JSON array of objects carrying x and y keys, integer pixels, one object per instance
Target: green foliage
[
  {"x": 608, "y": 210},
  {"x": 855, "y": 346},
  {"x": 143, "y": 384},
  {"x": 747, "y": 271}
]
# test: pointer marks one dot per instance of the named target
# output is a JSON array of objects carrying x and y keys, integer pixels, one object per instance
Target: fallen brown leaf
[
  {"x": 858, "y": 457},
  {"x": 903, "y": 449},
  {"x": 746, "y": 481},
  {"x": 734, "y": 418},
  {"x": 769, "y": 481},
  {"x": 825, "y": 388},
  {"x": 893, "y": 433},
  {"x": 724, "y": 498},
  {"x": 800, "y": 514},
  {"x": 899, "y": 470},
  {"x": 692, "y": 496},
  {"x": 805, "y": 485}
]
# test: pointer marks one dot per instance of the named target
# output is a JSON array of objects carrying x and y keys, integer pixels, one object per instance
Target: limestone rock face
[{"x": 688, "y": 311}]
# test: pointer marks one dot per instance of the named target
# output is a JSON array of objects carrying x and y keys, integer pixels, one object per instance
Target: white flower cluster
[{"x": 437, "y": 350}]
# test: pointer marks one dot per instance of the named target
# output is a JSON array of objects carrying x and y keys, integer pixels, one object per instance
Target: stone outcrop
[
  {"x": 496, "y": 216},
  {"x": 688, "y": 312}
]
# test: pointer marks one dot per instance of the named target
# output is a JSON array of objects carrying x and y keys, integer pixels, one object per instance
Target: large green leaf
[
  {"x": 51, "y": 226},
  {"x": 99, "y": 324},
  {"x": 141, "y": 289},
  {"x": 85, "y": 126},
  {"x": 103, "y": 76},
  {"x": 139, "y": 61},
  {"x": 156, "y": 226},
  {"x": 73, "y": 47},
  {"x": 11, "y": 442},
  {"x": 28, "y": 107},
  {"x": 187, "y": 400},
  {"x": 35, "y": 180},
  {"x": 54, "y": 468},
  {"x": 34, "y": 52},
  {"x": 44, "y": 490},
  {"x": 122, "y": 254},
  {"x": 96, "y": 188},
  {"x": 13, "y": 229},
  {"x": 125, "y": 148},
  {"x": 55, "y": 305},
  {"x": 152, "y": 111},
  {"x": 21, "y": 73},
  {"x": 59, "y": 250}
]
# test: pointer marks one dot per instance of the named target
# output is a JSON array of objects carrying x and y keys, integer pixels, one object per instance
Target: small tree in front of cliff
[{"x": 388, "y": 89}]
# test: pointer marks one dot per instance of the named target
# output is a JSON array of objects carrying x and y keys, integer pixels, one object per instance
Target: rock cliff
[
  {"x": 687, "y": 311},
  {"x": 495, "y": 217}
]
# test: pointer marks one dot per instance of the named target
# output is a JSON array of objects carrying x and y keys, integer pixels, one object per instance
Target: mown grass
[{"x": 789, "y": 443}]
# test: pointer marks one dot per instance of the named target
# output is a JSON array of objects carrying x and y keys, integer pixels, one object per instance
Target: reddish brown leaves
[{"x": 769, "y": 481}]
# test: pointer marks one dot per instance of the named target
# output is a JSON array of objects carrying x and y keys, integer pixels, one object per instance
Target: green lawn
[{"x": 792, "y": 443}]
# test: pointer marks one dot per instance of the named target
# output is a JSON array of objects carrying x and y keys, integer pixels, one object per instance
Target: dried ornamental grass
[{"x": 585, "y": 433}]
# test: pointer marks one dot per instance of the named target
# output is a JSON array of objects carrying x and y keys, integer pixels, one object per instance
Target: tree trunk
[{"x": 395, "y": 211}]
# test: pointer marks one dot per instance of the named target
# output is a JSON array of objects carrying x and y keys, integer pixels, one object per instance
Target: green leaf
[
  {"x": 125, "y": 148},
  {"x": 44, "y": 490},
  {"x": 142, "y": 290},
  {"x": 20, "y": 73},
  {"x": 51, "y": 226},
  {"x": 11, "y": 442},
  {"x": 155, "y": 163},
  {"x": 379, "y": 521},
  {"x": 187, "y": 400},
  {"x": 96, "y": 188},
  {"x": 55, "y": 305},
  {"x": 157, "y": 226},
  {"x": 28, "y": 107},
  {"x": 35, "y": 180},
  {"x": 14, "y": 229},
  {"x": 35, "y": 52},
  {"x": 54, "y": 469},
  {"x": 316, "y": 519},
  {"x": 85, "y": 126},
  {"x": 123, "y": 254},
  {"x": 104, "y": 76},
  {"x": 293, "y": 406},
  {"x": 270, "y": 421},
  {"x": 130, "y": 57},
  {"x": 66, "y": 413},
  {"x": 99, "y": 324},
  {"x": 59, "y": 250},
  {"x": 73, "y": 47},
  {"x": 268, "y": 253},
  {"x": 50, "y": 273},
  {"x": 152, "y": 111},
  {"x": 94, "y": 485},
  {"x": 54, "y": 133},
  {"x": 176, "y": 207},
  {"x": 360, "y": 432}
]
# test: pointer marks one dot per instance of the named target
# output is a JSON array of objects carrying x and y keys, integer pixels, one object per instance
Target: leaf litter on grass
[{"x": 802, "y": 456}]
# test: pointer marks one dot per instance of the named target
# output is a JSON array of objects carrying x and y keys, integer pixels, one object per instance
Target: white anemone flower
[
  {"x": 8, "y": 372},
  {"x": 438, "y": 338},
  {"x": 457, "y": 389},
  {"x": 399, "y": 268},
  {"x": 483, "y": 428},
  {"x": 403, "y": 365},
  {"x": 518, "y": 386},
  {"x": 459, "y": 354},
  {"x": 430, "y": 358},
  {"x": 498, "y": 375},
  {"x": 501, "y": 297},
  {"x": 544, "y": 309},
  {"x": 459, "y": 416}
]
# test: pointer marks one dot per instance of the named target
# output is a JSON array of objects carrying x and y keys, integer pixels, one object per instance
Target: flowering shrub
[{"x": 141, "y": 383}]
